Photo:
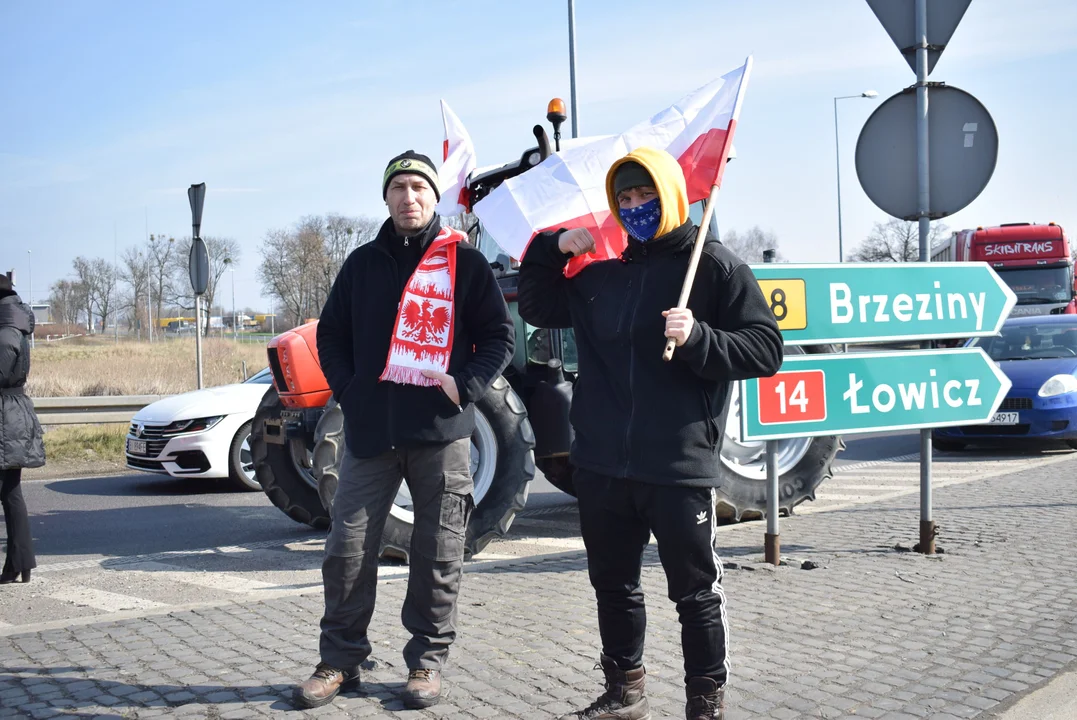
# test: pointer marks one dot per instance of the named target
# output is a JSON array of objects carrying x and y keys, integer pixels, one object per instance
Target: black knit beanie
[
  {"x": 631, "y": 175},
  {"x": 411, "y": 162}
]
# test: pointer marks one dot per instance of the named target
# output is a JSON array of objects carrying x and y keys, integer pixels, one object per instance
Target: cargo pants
[{"x": 439, "y": 478}]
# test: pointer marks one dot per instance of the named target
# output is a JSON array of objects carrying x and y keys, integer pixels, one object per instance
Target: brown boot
[
  {"x": 706, "y": 699},
  {"x": 623, "y": 699},
  {"x": 321, "y": 687},
  {"x": 423, "y": 688}
]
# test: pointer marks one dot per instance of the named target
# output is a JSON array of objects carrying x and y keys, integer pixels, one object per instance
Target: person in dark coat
[{"x": 21, "y": 444}]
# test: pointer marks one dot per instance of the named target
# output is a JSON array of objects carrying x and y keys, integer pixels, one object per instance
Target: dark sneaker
[
  {"x": 423, "y": 688},
  {"x": 706, "y": 699},
  {"x": 321, "y": 687},
  {"x": 623, "y": 699}
]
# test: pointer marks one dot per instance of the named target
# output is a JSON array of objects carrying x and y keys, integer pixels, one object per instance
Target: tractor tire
[
  {"x": 503, "y": 466},
  {"x": 284, "y": 470},
  {"x": 803, "y": 465},
  {"x": 559, "y": 473}
]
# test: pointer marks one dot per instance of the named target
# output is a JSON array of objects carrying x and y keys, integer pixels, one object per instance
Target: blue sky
[{"x": 109, "y": 110}]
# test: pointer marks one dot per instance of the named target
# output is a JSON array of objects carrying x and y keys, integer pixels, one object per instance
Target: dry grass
[
  {"x": 100, "y": 366},
  {"x": 80, "y": 443}
]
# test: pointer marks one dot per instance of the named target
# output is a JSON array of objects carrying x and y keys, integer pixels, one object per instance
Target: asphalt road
[
  {"x": 125, "y": 515},
  {"x": 111, "y": 546}
]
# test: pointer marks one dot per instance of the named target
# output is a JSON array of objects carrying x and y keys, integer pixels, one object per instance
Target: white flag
[{"x": 459, "y": 161}]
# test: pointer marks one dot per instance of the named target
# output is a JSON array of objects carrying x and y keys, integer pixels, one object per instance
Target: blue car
[{"x": 1039, "y": 355}]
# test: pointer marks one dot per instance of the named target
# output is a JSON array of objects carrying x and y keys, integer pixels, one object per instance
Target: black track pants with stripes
[{"x": 617, "y": 518}]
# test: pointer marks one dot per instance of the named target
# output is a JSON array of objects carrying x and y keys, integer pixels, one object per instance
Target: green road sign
[
  {"x": 872, "y": 392},
  {"x": 880, "y": 302}
]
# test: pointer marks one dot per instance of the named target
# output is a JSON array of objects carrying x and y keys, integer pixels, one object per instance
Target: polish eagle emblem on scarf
[{"x": 423, "y": 333}]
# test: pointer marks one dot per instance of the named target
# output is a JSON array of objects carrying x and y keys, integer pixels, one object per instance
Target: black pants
[
  {"x": 20, "y": 545},
  {"x": 617, "y": 518},
  {"x": 439, "y": 478}
]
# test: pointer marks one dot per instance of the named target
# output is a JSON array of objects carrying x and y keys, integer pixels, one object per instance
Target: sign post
[
  {"x": 881, "y": 391},
  {"x": 772, "y": 542},
  {"x": 921, "y": 36},
  {"x": 198, "y": 264}
]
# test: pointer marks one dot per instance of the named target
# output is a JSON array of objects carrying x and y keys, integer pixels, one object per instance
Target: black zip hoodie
[
  {"x": 635, "y": 415},
  {"x": 356, "y": 327}
]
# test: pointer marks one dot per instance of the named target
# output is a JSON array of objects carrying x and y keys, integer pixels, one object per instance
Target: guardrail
[{"x": 91, "y": 410}]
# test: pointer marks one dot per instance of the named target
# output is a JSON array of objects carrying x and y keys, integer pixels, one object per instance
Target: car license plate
[
  {"x": 136, "y": 447},
  {"x": 1004, "y": 418}
]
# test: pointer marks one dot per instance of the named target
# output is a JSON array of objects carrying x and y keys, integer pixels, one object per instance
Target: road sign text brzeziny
[{"x": 816, "y": 304}]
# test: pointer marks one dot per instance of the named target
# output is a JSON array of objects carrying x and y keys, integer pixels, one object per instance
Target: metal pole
[
  {"x": 927, "y": 524},
  {"x": 198, "y": 337},
  {"x": 235, "y": 331},
  {"x": 572, "y": 66},
  {"x": 149, "y": 310},
  {"x": 115, "y": 321},
  {"x": 30, "y": 272},
  {"x": 837, "y": 158},
  {"x": 772, "y": 543}
]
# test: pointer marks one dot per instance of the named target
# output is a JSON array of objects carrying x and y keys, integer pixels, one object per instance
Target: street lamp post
[
  {"x": 235, "y": 331},
  {"x": 30, "y": 273},
  {"x": 837, "y": 157},
  {"x": 572, "y": 66}
]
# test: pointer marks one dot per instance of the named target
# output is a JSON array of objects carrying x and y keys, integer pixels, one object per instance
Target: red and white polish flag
[
  {"x": 568, "y": 189},
  {"x": 458, "y": 162}
]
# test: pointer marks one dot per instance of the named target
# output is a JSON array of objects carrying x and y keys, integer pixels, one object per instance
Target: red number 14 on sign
[{"x": 792, "y": 397}]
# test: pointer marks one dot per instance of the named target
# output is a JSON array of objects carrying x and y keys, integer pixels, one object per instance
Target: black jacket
[
  {"x": 20, "y": 433},
  {"x": 636, "y": 416},
  {"x": 356, "y": 327}
]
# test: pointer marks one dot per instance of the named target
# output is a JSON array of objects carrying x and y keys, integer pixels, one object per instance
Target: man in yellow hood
[{"x": 648, "y": 433}]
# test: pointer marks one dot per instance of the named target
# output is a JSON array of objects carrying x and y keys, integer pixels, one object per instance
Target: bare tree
[
  {"x": 83, "y": 268},
  {"x": 65, "y": 302},
  {"x": 340, "y": 237},
  {"x": 298, "y": 267},
  {"x": 100, "y": 282},
  {"x": 105, "y": 290},
  {"x": 750, "y": 245},
  {"x": 222, "y": 253},
  {"x": 896, "y": 241},
  {"x": 159, "y": 252},
  {"x": 135, "y": 271},
  {"x": 291, "y": 272}
]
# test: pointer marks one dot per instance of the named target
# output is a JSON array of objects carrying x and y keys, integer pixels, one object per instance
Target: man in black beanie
[{"x": 414, "y": 332}]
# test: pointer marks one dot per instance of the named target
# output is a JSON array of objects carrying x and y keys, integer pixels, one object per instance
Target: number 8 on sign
[
  {"x": 792, "y": 397},
  {"x": 788, "y": 301}
]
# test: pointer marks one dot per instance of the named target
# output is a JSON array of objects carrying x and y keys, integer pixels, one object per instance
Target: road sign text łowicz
[{"x": 872, "y": 392}]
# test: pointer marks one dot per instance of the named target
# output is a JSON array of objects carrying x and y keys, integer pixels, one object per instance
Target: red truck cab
[{"x": 1034, "y": 260}]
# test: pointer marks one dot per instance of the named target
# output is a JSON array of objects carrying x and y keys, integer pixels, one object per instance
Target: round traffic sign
[
  {"x": 198, "y": 264},
  {"x": 962, "y": 151}
]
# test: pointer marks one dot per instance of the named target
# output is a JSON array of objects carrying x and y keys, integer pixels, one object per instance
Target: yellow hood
[{"x": 668, "y": 180}]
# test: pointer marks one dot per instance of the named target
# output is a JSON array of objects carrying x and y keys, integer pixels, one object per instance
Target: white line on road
[
  {"x": 213, "y": 580},
  {"x": 97, "y": 599}
]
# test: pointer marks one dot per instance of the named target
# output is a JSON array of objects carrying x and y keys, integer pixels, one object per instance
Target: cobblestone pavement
[{"x": 873, "y": 632}]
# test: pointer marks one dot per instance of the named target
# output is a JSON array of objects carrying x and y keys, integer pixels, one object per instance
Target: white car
[{"x": 201, "y": 434}]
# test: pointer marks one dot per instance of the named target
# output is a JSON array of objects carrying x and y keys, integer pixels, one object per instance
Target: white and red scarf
[{"x": 422, "y": 336}]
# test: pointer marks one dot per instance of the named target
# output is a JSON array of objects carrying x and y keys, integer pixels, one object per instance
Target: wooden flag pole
[{"x": 697, "y": 252}]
